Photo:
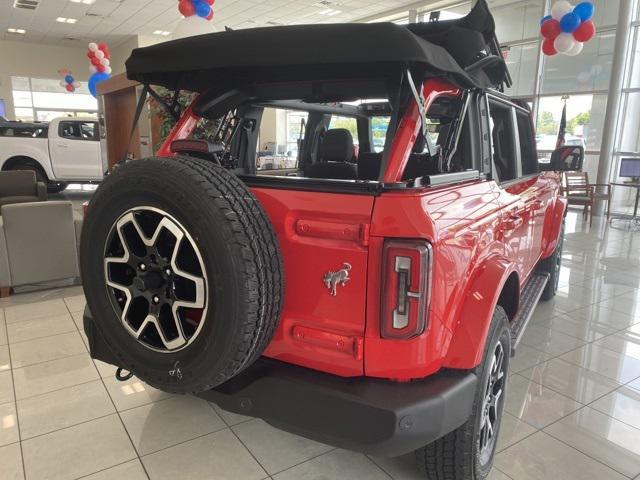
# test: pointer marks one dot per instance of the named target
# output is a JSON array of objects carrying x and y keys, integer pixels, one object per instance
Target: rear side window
[
  {"x": 503, "y": 147},
  {"x": 79, "y": 130},
  {"x": 528, "y": 154}
]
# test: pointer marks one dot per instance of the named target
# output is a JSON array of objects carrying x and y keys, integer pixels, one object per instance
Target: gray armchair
[
  {"x": 38, "y": 243},
  {"x": 20, "y": 186}
]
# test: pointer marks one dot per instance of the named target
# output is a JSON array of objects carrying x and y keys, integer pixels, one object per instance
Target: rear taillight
[{"x": 406, "y": 287}]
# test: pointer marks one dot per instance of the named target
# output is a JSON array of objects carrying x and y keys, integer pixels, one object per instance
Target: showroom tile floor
[{"x": 572, "y": 408}]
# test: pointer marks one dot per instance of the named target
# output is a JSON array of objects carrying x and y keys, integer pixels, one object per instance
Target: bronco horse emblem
[{"x": 339, "y": 277}]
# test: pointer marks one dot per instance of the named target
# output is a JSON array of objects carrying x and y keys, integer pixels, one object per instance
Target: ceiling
[{"x": 114, "y": 21}]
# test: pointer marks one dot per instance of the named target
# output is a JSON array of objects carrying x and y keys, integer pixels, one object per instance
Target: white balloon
[
  {"x": 576, "y": 49},
  {"x": 76, "y": 84},
  {"x": 99, "y": 54},
  {"x": 564, "y": 42},
  {"x": 93, "y": 68},
  {"x": 107, "y": 70},
  {"x": 106, "y": 62},
  {"x": 93, "y": 47},
  {"x": 560, "y": 9}
]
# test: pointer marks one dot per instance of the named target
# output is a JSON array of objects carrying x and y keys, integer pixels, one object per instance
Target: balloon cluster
[
  {"x": 201, "y": 8},
  {"x": 100, "y": 67},
  {"x": 68, "y": 82},
  {"x": 567, "y": 28}
]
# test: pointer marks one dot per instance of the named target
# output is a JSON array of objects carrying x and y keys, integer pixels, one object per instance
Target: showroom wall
[{"x": 21, "y": 59}]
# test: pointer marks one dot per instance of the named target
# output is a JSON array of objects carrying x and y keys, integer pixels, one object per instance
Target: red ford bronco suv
[{"x": 368, "y": 298}]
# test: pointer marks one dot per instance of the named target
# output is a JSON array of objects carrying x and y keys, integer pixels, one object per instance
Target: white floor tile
[
  {"x": 8, "y": 424},
  {"x": 63, "y": 408},
  {"x": 230, "y": 418},
  {"x": 30, "y": 311},
  {"x": 11, "y": 462},
  {"x": 54, "y": 375},
  {"x": 527, "y": 357},
  {"x": 617, "y": 366},
  {"x": 542, "y": 457},
  {"x": 572, "y": 381},
  {"x": 623, "y": 405},
  {"x": 45, "y": 349},
  {"x": 6, "y": 387},
  {"x": 132, "y": 393},
  {"x": 218, "y": 456},
  {"x": 3, "y": 329},
  {"x": 77, "y": 451},
  {"x": 275, "y": 449},
  {"x": 512, "y": 430},
  {"x": 40, "y": 328},
  {"x": 535, "y": 404},
  {"x": 602, "y": 438},
  {"x": 127, "y": 471},
  {"x": 335, "y": 465},
  {"x": 400, "y": 468},
  {"x": 169, "y": 422},
  {"x": 75, "y": 303},
  {"x": 5, "y": 362}
]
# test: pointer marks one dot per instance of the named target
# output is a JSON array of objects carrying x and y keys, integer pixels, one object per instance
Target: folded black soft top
[{"x": 463, "y": 51}]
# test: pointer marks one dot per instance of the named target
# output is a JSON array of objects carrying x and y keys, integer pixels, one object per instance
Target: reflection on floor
[{"x": 572, "y": 411}]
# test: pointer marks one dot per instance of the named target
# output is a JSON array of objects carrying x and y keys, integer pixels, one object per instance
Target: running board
[{"x": 528, "y": 302}]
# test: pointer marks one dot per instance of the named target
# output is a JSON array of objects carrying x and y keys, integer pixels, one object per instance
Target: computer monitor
[{"x": 630, "y": 168}]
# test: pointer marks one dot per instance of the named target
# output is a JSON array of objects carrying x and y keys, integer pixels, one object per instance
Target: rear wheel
[
  {"x": 467, "y": 453},
  {"x": 182, "y": 272},
  {"x": 41, "y": 176}
]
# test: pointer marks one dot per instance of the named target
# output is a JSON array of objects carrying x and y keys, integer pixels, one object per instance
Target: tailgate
[{"x": 324, "y": 243}]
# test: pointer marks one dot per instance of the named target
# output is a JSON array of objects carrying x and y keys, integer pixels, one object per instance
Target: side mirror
[{"x": 568, "y": 158}]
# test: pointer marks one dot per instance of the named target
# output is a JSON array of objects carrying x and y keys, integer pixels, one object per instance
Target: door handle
[{"x": 511, "y": 223}]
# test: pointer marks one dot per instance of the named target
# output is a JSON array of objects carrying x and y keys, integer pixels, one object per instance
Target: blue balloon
[
  {"x": 202, "y": 8},
  {"x": 570, "y": 22},
  {"x": 544, "y": 19},
  {"x": 68, "y": 79},
  {"x": 95, "y": 79},
  {"x": 584, "y": 10}
]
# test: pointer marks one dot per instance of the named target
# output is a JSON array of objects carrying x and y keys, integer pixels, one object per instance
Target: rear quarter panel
[
  {"x": 35, "y": 148},
  {"x": 462, "y": 224}
]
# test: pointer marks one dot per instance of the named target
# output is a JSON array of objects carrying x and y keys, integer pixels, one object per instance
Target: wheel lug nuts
[{"x": 156, "y": 299}]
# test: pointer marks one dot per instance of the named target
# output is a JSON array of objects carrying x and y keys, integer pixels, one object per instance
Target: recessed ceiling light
[
  {"x": 19, "y": 31},
  {"x": 66, "y": 20},
  {"x": 164, "y": 33},
  {"x": 28, "y": 4},
  {"x": 86, "y": 2}
]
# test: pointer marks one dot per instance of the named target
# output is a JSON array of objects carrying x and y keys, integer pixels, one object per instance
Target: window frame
[{"x": 96, "y": 133}]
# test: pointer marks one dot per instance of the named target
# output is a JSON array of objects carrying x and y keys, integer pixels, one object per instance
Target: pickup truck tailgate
[{"x": 321, "y": 233}]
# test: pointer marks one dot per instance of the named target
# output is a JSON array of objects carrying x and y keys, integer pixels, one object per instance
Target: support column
[{"x": 623, "y": 32}]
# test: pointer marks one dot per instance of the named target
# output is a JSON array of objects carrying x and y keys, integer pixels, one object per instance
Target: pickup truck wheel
[
  {"x": 56, "y": 187},
  {"x": 467, "y": 453},
  {"x": 182, "y": 272},
  {"x": 552, "y": 266}
]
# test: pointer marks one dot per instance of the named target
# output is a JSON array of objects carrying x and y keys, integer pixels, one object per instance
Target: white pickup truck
[{"x": 62, "y": 151}]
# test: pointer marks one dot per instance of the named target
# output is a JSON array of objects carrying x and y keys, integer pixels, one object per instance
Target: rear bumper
[{"x": 375, "y": 416}]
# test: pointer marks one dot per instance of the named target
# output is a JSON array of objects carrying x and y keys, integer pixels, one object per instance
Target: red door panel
[{"x": 319, "y": 233}]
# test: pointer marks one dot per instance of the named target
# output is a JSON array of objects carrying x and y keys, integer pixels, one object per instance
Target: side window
[
  {"x": 349, "y": 123},
  {"x": 528, "y": 155},
  {"x": 78, "y": 130},
  {"x": 503, "y": 147},
  {"x": 281, "y": 136},
  {"x": 379, "y": 127}
]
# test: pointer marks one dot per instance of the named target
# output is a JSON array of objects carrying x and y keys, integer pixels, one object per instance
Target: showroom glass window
[{"x": 42, "y": 99}]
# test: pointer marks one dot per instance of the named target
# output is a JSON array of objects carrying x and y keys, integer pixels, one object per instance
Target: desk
[{"x": 635, "y": 185}]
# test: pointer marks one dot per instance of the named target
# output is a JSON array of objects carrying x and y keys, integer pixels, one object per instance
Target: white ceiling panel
[{"x": 115, "y": 21}]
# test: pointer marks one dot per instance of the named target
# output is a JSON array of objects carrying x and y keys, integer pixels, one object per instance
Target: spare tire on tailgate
[{"x": 182, "y": 272}]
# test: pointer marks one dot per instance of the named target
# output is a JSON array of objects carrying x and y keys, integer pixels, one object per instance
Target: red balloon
[
  {"x": 90, "y": 54},
  {"x": 186, "y": 8},
  {"x": 69, "y": 88},
  {"x": 548, "y": 48},
  {"x": 210, "y": 16},
  {"x": 551, "y": 29},
  {"x": 95, "y": 61},
  {"x": 210, "y": 2},
  {"x": 585, "y": 32},
  {"x": 101, "y": 68}
]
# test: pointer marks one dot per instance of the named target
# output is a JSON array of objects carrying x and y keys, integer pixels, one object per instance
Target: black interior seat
[
  {"x": 336, "y": 153},
  {"x": 369, "y": 165}
]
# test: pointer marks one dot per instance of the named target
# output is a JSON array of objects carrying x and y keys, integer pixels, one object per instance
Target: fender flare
[
  {"x": 469, "y": 337},
  {"x": 553, "y": 227}
]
